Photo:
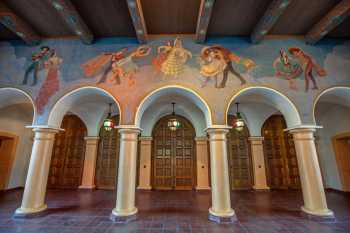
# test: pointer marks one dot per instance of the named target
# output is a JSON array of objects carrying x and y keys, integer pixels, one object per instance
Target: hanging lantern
[
  {"x": 238, "y": 122},
  {"x": 108, "y": 123},
  {"x": 173, "y": 123}
]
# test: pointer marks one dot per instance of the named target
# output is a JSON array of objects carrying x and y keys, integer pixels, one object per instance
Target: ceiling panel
[
  {"x": 236, "y": 17},
  {"x": 41, "y": 16},
  {"x": 301, "y": 15},
  {"x": 106, "y": 18},
  {"x": 171, "y": 16}
]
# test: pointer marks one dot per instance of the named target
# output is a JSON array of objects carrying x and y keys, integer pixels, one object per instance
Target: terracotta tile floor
[{"x": 172, "y": 211}]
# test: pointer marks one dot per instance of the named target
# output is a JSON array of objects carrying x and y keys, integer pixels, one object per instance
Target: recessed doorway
[
  {"x": 341, "y": 144},
  {"x": 8, "y": 144},
  {"x": 173, "y": 156}
]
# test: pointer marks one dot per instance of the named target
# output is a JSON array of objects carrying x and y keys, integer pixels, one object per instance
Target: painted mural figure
[
  {"x": 308, "y": 66},
  {"x": 217, "y": 60},
  {"x": 120, "y": 66},
  {"x": 38, "y": 61},
  {"x": 51, "y": 84},
  {"x": 287, "y": 68},
  {"x": 172, "y": 59}
]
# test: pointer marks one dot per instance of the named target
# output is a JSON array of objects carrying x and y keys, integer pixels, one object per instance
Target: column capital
[
  {"x": 303, "y": 128},
  {"x": 44, "y": 128},
  {"x": 145, "y": 138},
  {"x": 92, "y": 138},
  {"x": 201, "y": 139},
  {"x": 218, "y": 129},
  {"x": 128, "y": 129},
  {"x": 255, "y": 138}
]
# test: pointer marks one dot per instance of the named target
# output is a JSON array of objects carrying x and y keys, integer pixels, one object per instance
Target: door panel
[
  {"x": 67, "y": 160},
  {"x": 280, "y": 155},
  {"x": 240, "y": 163},
  {"x": 173, "y": 156},
  {"x": 108, "y": 158}
]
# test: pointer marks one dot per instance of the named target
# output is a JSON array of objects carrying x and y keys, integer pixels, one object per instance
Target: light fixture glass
[
  {"x": 238, "y": 122},
  {"x": 173, "y": 123},
  {"x": 108, "y": 123}
]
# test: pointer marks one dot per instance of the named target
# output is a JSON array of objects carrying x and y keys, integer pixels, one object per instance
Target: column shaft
[
  {"x": 221, "y": 210},
  {"x": 33, "y": 200},
  {"x": 202, "y": 163},
  {"x": 315, "y": 203},
  {"x": 125, "y": 209},
  {"x": 259, "y": 168},
  {"x": 145, "y": 163},
  {"x": 91, "y": 148}
]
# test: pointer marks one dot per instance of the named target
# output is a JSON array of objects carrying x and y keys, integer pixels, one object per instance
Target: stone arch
[
  {"x": 273, "y": 100},
  {"x": 184, "y": 94},
  {"x": 78, "y": 102}
]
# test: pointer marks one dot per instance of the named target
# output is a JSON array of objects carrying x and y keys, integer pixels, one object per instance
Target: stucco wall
[
  {"x": 335, "y": 119},
  {"x": 13, "y": 119}
]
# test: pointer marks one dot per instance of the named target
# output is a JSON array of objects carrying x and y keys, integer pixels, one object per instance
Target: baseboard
[
  {"x": 11, "y": 189},
  {"x": 336, "y": 190}
]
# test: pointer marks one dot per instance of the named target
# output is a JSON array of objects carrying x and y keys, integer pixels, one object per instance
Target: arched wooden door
[
  {"x": 107, "y": 158},
  {"x": 280, "y": 155},
  {"x": 173, "y": 157},
  {"x": 240, "y": 161},
  {"x": 67, "y": 160}
]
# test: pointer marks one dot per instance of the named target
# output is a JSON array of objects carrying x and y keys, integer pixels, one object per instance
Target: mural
[
  {"x": 115, "y": 66},
  {"x": 290, "y": 68},
  {"x": 129, "y": 71}
]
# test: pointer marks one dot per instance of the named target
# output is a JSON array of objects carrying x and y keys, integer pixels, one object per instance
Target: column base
[
  {"x": 123, "y": 217},
  {"x": 144, "y": 188},
  {"x": 30, "y": 212},
  {"x": 87, "y": 187},
  {"x": 318, "y": 216},
  {"x": 222, "y": 218},
  {"x": 202, "y": 188}
]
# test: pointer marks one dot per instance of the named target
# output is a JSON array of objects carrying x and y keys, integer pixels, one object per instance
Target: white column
[
  {"x": 145, "y": 163},
  {"x": 125, "y": 209},
  {"x": 220, "y": 210},
  {"x": 202, "y": 163},
  {"x": 259, "y": 169},
  {"x": 91, "y": 148},
  {"x": 315, "y": 204},
  {"x": 33, "y": 200}
]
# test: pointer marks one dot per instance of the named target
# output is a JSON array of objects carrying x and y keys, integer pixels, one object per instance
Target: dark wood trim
[{"x": 204, "y": 15}]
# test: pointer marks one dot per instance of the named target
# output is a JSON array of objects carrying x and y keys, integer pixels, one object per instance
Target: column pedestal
[
  {"x": 125, "y": 210},
  {"x": 315, "y": 204},
  {"x": 91, "y": 148},
  {"x": 202, "y": 163},
  {"x": 259, "y": 170},
  {"x": 145, "y": 163},
  {"x": 220, "y": 211},
  {"x": 33, "y": 201}
]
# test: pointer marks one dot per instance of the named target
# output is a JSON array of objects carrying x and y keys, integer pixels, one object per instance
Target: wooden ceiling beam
[
  {"x": 70, "y": 15},
  {"x": 330, "y": 21},
  {"x": 204, "y": 15},
  {"x": 17, "y": 25},
  {"x": 138, "y": 20},
  {"x": 270, "y": 17}
]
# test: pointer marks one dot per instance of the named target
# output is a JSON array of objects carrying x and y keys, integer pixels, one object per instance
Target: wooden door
[
  {"x": 8, "y": 144},
  {"x": 108, "y": 158},
  {"x": 68, "y": 154},
  {"x": 341, "y": 144},
  {"x": 280, "y": 155},
  {"x": 173, "y": 156},
  {"x": 240, "y": 163}
]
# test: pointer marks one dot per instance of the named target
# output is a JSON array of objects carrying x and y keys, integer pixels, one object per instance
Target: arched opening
[
  {"x": 280, "y": 156},
  {"x": 257, "y": 104},
  {"x": 16, "y": 112},
  {"x": 240, "y": 159},
  {"x": 67, "y": 161},
  {"x": 173, "y": 155},
  {"x": 107, "y": 157},
  {"x": 92, "y": 106},
  {"x": 332, "y": 113}
]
